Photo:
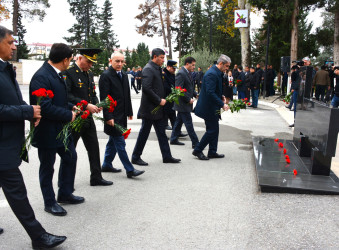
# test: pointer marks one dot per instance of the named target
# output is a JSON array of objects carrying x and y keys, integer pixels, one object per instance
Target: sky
[{"x": 58, "y": 20}]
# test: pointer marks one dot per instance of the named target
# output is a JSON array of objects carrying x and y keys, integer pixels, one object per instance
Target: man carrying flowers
[
  {"x": 56, "y": 112},
  {"x": 114, "y": 83},
  {"x": 81, "y": 87}
]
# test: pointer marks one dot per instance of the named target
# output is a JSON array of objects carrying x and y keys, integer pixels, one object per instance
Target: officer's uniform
[{"x": 81, "y": 86}]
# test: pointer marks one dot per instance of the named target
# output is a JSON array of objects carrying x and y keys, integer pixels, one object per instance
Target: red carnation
[
  {"x": 245, "y": 99},
  {"x": 126, "y": 134},
  {"x": 248, "y": 103},
  {"x": 84, "y": 102},
  {"x": 285, "y": 151},
  {"x": 276, "y": 140},
  {"x": 184, "y": 90},
  {"x": 85, "y": 114},
  {"x": 288, "y": 160},
  {"x": 295, "y": 172},
  {"x": 50, "y": 93},
  {"x": 40, "y": 92},
  {"x": 287, "y": 157},
  {"x": 281, "y": 145}
]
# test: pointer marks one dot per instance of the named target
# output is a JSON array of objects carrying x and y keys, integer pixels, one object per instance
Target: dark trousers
[
  {"x": 66, "y": 172},
  {"x": 210, "y": 137},
  {"x": 89, "y": 137},
  {"x": 294, "y": 100},
  {"x": 171, "y": 116},
  {"x": 184, "y": 118},
  {"x": 159, "y": 127},
  {"x": 14, "y": 188},
  {"x": 133, "y": 86},
  {"x": 320, "y": 91},
  {"x": 139, "y": 84},
  {"x": 117, "y": 144}
]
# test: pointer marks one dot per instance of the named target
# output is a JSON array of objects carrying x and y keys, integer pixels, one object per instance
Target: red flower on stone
[
  {"x": 295, "y": 172},
  {"x": 287, "y": 157},
  {"x": 276, "y": 140},
  {"x": 281, "y": 145},
  {"x": 285, "y": 151},
  {"x": 288, "y": 160}
]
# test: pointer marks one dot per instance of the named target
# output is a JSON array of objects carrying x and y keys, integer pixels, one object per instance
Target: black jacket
[
  {"x": 169, "y": 83},
  {"x": 13, "y": 112},
  {"x": 119, "y": 90},
  {"x": 80, "y": 85},
  {"x": 152, "y": 92},
  {"x": 296, "y": 79},
  {"x": 183, "y": 80},
  {"x": 242, "y": 78},
  {"x": 55, "y": 112}
]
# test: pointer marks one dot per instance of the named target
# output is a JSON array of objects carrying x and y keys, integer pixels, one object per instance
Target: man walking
[
  {"x": 169, "y": 83},
  {"x": 209, "y": 102},
  {"x": 13, "y": 112},
  {"x": 81, "y": 86},
  {"x": 184, "y": 80},
  {"x": 153, "y": 94},
  {"x": 321, "y": 81},
  {"x": 114, "y": 82},
  {"x": 57, "y": 112}
]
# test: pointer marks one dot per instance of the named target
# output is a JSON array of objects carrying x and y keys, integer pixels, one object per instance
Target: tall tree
[
  {"x": 128, "y": 60},
  {"x": 22, "y": 50},
  {"x": 4, "y": 12},
  {"x": 85, "y": 12},
  {"x": 142, "y": 54},
  {"x": 325, "y": 37},
  {"x": 196, "y": 24},
  {"x": 106, "y": 33},
  {"x": 245, "y": 35},
  {"x": 156, "y": 18}
]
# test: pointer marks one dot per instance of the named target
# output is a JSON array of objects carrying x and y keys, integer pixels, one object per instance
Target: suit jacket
[
  {"x": 110, "y": 84},
  {"x": 55, "y": 112},
  {"x": 183, "y": 80},
  {"x": 322, "y": 78},
  {"x": 242, "y": 77},
  {"x": 80, "y": 85},
  {"x": 152, "y": 92},
  {"x": 210, "y": 98},
  {"x": 13, "y": 112},
  {"x": 169, "y": 83}
]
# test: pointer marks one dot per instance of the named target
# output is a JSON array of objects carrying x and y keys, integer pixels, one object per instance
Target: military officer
[{"x": 81, "y": 86}]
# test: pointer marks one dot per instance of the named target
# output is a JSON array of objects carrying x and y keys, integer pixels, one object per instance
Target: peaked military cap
[
  {"x": 90, "y": 54},
  {"x": 172, "y": 63}
]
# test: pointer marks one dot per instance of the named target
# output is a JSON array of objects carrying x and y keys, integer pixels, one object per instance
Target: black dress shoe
[
  {"x": 101, "y": 182},
  {"x": 48, "y": 240},
  {"x": 200, "y": 155},
  {"x": 168, "y": 127},
  {"x": 72, "y": 199},
  {"x": 134, "y": 173},
  {"x": 171, "y": 160},
  {"x": 1, "y": 230},
  {"x": 56, "y": 210},
  {"x": 292, "y": 125},
  {"x": 112, "y": 170},
  {"x": 182, "y": 134},
  {"x": 216, "y": 155},
  {"x": 139, "y": 162},
  {"x": 176, "y": 142}
]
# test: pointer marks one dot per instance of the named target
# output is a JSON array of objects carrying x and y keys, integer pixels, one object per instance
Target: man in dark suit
[
  {"x": 153, "y": 94},
  {"x": 138, "y": 78},
  {"x": 184, "y": 80},
  {"x": 56, "y": 113},
  {"x": 169, "y": 83},
  {"x": 241, "y": 85},
  {"x": 13, "y": 112},
  {"x": 210, "y": 101},
  {"x": 114, "y": 82},
  {"x": 198, "y": 79},
  {"x": 81, "y": 86}
]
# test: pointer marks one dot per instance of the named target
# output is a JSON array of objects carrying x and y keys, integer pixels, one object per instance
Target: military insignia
[
  {"x": 80, "y": 84},
  {"x": 64, "y": 77},
  {"x": 77, "y": 71}
]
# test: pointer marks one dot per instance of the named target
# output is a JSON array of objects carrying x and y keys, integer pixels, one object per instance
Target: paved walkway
[{"x": 192, "y": 205}]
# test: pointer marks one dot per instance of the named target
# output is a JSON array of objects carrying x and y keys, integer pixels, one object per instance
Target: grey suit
[{"x": 184, "y": 80}]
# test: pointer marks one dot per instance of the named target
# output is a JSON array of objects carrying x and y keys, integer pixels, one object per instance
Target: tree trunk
[
  {"x": 245, "y": 36},
  {"x": 15, "y": 24},
  {"x": 181, "y": 15},
  {"x": 336, "y": 39},
  {"x": 294, "y": 32},
  {"x": 168, "y": 22},
  {"x": 162, "y": 25}
]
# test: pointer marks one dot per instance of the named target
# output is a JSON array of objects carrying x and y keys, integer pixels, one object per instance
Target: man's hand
[
  {"x": 36, "y": 122},
  {"x": 36, "y": 111},
  {"x": 110, "y": 122},
  {"x": 92, "y": 108},
  {"x": 163, "y": 102},
  {"x": 76, "y": 109},
  {"x": 191, "y": 101},
  {"x": 130, "y": 118},
  {"x": 74, "y": 115},
  {"x": 226, "y": 107}
]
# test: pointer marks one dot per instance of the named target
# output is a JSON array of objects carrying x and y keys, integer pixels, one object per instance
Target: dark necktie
[{"x": 119, "y": 74}]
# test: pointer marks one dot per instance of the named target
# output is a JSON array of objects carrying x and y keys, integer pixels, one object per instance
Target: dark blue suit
[
  {"x": 209, "y": 102},
  {"x": 55, "y": 113},
  {"x": 13, "y": 112}
]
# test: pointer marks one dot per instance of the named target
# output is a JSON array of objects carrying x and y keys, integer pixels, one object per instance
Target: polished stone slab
[{"x": 276, "y": 175}]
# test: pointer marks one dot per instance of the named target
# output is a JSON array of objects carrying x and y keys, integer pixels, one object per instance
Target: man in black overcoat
[
  {"x": 169, "y": 83},
  {"x": 56, "y": 112},
  {"x": 114, "y": 82},
  {"x": 81, "y": 86},
  {"x": 13, "y": 113},
  {"x": 153, "y": 94}
]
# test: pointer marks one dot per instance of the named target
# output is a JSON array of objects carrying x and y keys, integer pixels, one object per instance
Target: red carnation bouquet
[
  {"x": 287, "y": 98},
  {"x": 172, "y": 97},
  {"x": 40, "y": 94},
  {"x": 238, "y": 82},
  {"x": 236, "y": 105},
  {"x": 109, "y": 103}
]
